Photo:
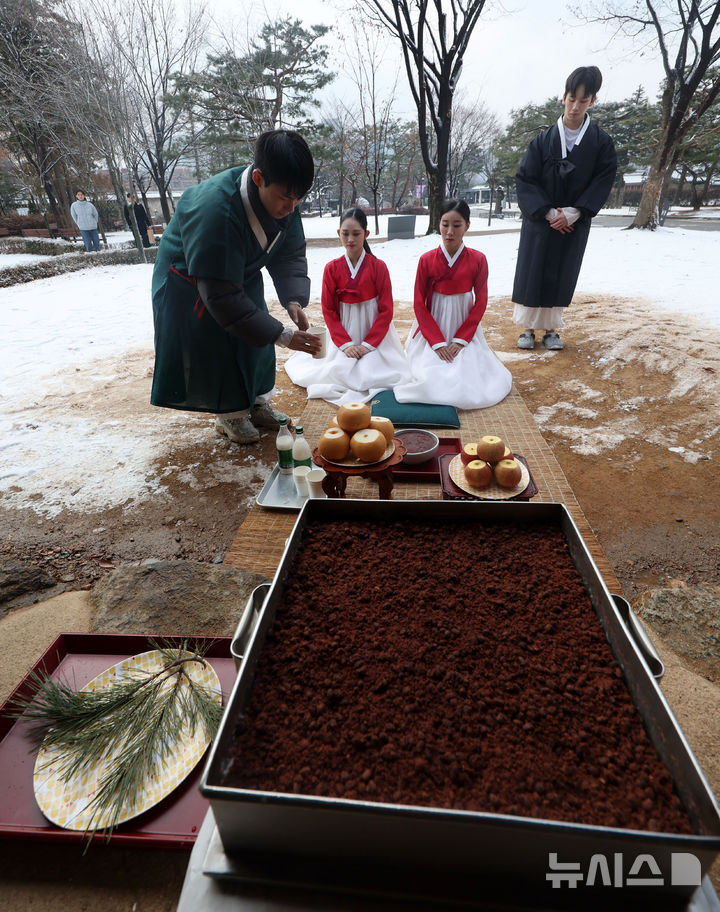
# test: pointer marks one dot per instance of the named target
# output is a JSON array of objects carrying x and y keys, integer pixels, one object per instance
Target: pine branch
[{"x": 133, "y": 724}]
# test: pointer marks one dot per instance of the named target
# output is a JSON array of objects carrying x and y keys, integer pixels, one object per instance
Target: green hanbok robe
[{"x": 220, "y": 231}]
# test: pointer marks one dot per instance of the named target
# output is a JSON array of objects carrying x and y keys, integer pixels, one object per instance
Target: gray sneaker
[
  {"x": 552, "y": 341},
  {"x": 265, "y": 416},
  {"x": 526, "y": 340},
  {"x": 239, "y": 430}
]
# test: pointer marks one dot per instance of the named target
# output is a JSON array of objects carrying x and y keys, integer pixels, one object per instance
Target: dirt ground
[{"x": 630, "y": 409}]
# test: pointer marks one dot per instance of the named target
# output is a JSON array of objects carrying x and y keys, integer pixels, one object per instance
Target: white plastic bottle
[
  {"x": 284, "y": 444},
  {"x": 301, "y": 454}
]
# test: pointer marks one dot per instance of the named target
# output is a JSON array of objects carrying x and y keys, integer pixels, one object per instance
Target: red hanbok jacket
[
  {"x": 372, "y": 281},
  {"x": 468, "y": 273}
]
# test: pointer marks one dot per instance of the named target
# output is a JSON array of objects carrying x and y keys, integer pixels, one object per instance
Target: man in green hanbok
[{"x": 214, "y": 338}]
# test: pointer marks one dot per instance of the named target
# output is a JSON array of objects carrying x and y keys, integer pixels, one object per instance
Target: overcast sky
[{"x": 521, "y": 51}]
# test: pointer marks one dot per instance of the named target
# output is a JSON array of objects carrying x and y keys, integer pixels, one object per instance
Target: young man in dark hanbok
[
  {"x": 214, "y": 338},
  {"x": 562, "y": 182}
]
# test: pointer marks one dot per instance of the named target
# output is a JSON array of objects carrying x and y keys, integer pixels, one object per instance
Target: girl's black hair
[
  {"x": 283, "y": 157},
  {"x": 589, "y": 77},
  {"x": 361, "y": 219},
  {"x": 456, "y": 205}
]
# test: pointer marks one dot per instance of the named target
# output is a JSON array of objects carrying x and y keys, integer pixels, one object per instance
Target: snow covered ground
[{"x": 78, "y": 334}]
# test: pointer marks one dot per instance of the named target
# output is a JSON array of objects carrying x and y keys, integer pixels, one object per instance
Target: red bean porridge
[{"x": 459, "y": 666}]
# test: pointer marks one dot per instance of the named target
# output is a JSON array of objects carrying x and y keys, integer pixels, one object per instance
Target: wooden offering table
[{"x": 336, "y": 476}]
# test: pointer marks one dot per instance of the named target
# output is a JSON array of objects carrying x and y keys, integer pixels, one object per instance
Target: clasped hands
[
  {"x": 356, "y": 351},
  {"x": 449, "y": 352},
  {"x": 557, "y": 219}
]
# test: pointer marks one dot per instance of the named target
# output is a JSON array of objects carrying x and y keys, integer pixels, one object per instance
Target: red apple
[
  {"x": 508, "y": 473},
  {"x": 478, "y": 473},
  {"x": 490, "y": 448},
  {"x": 468, "y": 453}
]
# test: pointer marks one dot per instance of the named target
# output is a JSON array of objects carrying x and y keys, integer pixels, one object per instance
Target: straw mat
[{"x": 260, "y": 541}]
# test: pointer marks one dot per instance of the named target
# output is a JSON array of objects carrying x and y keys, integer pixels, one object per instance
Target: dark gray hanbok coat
[{"x": 548, "y": 262}]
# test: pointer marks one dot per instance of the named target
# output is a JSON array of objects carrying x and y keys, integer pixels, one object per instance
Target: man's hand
[
  {"x": 298, "y": 316},
  {"x": 449, "y": 352},
  {"x": 356, "y": 351},
  {"x": 560, "y": 223},
  {"x": 305, "y": 342}
]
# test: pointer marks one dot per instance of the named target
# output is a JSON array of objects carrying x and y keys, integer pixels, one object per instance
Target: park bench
[
  {"x": 69, "y": 234},
  {"x": 36, "y": 232}
]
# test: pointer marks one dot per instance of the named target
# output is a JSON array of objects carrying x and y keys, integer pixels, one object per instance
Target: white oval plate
[{"x": 68, "y": 803}]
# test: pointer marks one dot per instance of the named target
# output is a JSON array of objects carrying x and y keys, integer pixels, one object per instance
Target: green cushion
[{"x": 414, "y": 414}]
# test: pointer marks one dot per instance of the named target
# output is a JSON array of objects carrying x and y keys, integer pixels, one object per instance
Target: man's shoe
[
  {"x": 552, "y": 341},
  {"x": 526, "y": 340},
  {"x": 239, "y": 430},
  {"x": 265, "y": 416}
]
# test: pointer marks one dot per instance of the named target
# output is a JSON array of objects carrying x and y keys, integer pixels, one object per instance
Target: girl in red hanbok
[
  {"x": 450, "y": 360},
  {"x": 364, "y": 352}
]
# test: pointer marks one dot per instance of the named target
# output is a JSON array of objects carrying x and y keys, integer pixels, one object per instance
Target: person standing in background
[
  {"x": 85, "y": 216},
  {"x": 562, "y": 182},
  {"x": 141, "y": 217}
]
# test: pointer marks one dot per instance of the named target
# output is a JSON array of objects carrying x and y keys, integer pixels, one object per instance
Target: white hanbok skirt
[
  {"x": 337, "y": 378},
  {"x": 475, "y": 379}
]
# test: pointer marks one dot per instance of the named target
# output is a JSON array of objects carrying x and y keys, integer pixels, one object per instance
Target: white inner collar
[
  {"x": 561, "y": 131},
  {"x": 257, "y": 228},
  {"x": 451, "y": 259},
  {"x": 356, "y": 268}
]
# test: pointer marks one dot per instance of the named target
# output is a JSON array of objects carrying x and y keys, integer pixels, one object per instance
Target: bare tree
[
  {"x": 687, "y": 34},
  {"x": 339, "y": 122},
  {"x": 40, "y": 60},
  {"x": 105, "y": 112},
  {"x": 403, "y": 146},
  {"x": 434, "y": 36},
  {"x": 374, "y": 106},
  {"x": 474, "y": 129},
  {"x": 157, "y": 45}
]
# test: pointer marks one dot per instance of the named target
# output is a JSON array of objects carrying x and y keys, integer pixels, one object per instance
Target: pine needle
[{"x": 135, "y": 722}]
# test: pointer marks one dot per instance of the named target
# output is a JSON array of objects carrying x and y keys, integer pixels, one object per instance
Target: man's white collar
[
  {"x": 254, "y": 221},
  {"x": 561, "y": 131}
]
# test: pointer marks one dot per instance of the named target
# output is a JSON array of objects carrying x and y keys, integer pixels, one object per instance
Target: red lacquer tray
[
  {"x": 174, "y": 822},
  {"x": 430, "y": 470}
]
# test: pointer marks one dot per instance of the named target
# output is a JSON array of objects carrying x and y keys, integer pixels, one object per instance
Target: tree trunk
[
  {"x": 164, "y": 205},
  {"x": 435, "y": 200},
  {"x": 710, "y": 174},
  {"x": 680, "y": 184},
  {"x": 50, "y": 194},
  {"x": 648, "y": 212}
]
